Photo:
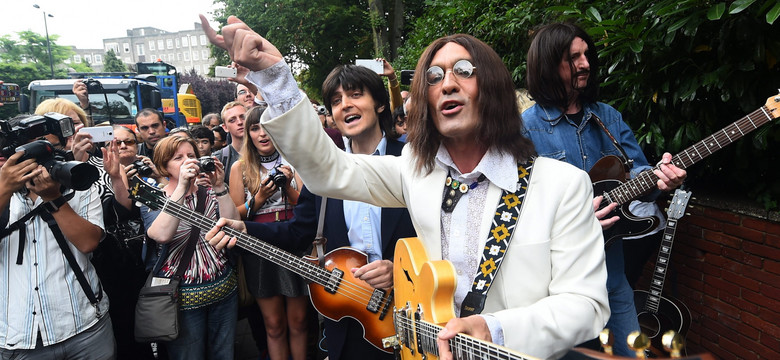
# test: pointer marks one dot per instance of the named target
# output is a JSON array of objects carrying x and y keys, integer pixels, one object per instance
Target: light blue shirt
[{"x": 364, "y": 221}]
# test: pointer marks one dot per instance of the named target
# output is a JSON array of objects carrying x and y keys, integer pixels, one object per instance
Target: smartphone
[
  {"x": 225, "y": 72},
  {"x": 99, "y": 133},
  {"x": 407, "y": 76},
  {"x": 377, "y": 65},
  {"x": 10, "y": 93}
]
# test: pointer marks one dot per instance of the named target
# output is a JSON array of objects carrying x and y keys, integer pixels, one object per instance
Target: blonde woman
[{"x": 279, "y": 293}]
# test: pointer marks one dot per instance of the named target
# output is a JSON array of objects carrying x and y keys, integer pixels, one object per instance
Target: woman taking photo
[
  {"x": 264, "y": 188},
  {"x": 207, "y": 303}
]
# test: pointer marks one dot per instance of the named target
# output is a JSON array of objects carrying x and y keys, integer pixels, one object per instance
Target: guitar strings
[
  {"x": 462, "y": 346},
  {"x": 648, "y": 179},
  {"x": 321, "y": 276}
]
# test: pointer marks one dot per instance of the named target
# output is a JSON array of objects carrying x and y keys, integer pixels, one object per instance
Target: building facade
[{"x": 186, "y": 50}]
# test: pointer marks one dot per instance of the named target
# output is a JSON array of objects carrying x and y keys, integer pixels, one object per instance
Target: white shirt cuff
[
  {"x": 278, "y": 87},
  {"x": 496, "y": 331}
]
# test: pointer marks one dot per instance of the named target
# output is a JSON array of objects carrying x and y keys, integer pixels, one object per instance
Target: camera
[
  {"x": 15, "y": 138},
  {"x": 70, "y": 174},
  {"x": 93, "y": 86},
  {"x": 32, "y": 127},
  {"x": 277, "y": 176},
  {"x": 321, "y": 110},
  {"x": 142, "y": 169},
  {"x": 207, "y": 164}
]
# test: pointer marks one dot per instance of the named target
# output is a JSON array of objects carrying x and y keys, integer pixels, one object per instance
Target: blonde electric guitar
[{"x": 424, "y": 292}]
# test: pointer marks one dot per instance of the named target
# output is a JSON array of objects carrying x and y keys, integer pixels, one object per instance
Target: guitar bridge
[
  {"x": 333, "y": 282},
  {"x": 375, "y": 302}
]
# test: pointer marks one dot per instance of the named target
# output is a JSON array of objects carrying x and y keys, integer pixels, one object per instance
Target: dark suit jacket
[{"x": 297, "y": 235}]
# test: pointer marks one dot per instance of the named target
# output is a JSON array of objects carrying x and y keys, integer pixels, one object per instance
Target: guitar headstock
[
  {"x": 773, "y": 105},
  {"x": 146, "y": 194},
  {"x": 679, "y": 203}
]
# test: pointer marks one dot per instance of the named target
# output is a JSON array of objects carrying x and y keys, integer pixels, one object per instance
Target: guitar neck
[
  {"x": 646, "y": 180},
  {"x": 420, "y": 335},
  {"x": 661, "y": 266},
  {"x": 305, "y": 269}
]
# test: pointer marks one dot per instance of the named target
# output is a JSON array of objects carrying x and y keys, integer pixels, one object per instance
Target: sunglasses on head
[{"x": 462, "y": 69}]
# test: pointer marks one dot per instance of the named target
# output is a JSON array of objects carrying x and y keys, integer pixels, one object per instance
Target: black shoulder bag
[{"x": 157, "y": 310}]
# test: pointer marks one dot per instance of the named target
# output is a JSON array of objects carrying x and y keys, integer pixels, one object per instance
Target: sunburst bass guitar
[
  {"x": 609, "y": 176},
  {"x": 334, "y": 292}
]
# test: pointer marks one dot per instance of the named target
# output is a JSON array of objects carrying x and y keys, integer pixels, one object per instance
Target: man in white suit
[{"x": 550, "y": 293}]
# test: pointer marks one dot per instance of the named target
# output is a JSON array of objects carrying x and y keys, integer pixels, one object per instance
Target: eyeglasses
[
  {"x": 462, "y": 69},
  {"x": 128, "y": 142}
]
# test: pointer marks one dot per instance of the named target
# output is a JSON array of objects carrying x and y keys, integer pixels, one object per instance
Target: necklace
[
  {"x": 454, "y": 190},
  {"x": 269, "y": 158}
]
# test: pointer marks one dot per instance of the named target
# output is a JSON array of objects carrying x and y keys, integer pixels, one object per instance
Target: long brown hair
[
  {"x": 499, "y": 126},
  {"x": 549, "y": 46},
  {"x": 250, "y": 156}
]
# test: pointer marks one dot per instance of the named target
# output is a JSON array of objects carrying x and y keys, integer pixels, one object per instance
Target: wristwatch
[{"x": 54, "y": 205}]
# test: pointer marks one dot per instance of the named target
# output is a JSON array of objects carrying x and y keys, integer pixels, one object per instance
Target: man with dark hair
[
  {"x": 219, "y": 138},
  {"x": 463, "y": 130},
  {"x": 150, "y": 126},
  {"x": 204, "y": 138},
  {"x": 565, "y": 124}
]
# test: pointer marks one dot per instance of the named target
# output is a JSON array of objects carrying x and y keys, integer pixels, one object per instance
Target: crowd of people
[{"x": 367, "y": 166}]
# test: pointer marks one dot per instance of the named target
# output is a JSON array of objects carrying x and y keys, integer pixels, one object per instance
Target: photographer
[{"x": 54, "y": 306}]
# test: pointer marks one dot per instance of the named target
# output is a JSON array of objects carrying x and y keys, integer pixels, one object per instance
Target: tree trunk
[
  {"x": 378, "y": 28},
  {"x": 397, "y": 30}
]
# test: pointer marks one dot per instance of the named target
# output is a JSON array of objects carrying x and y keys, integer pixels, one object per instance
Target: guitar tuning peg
[
  {"x": 673, "y": 343},
  {"x": 607, "y": 339},
  {"x": 638, "y": 342}
]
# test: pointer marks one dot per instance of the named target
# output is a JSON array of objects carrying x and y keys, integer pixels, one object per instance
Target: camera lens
[
  {"x": 142, "y": 169},
  {"x": 207, "y": 164}
]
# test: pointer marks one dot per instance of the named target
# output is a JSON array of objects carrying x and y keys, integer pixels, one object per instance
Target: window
[
  {"x": 203, "y": 40},
  {"x": 178, "y": 56},
  {"x": 170, "y": 43},
  {"x": 193, "y": 40},
  {"x": 186, "y": 56},
  {"x": 160, "y": 44},
  {"x": 204, "y": 54},
  {"x": 178, "y": 43},
  {"x": 126, "y": 46},
  {"x": 151, "y": 45},
  {"x": 98, "y": 59},
  {"x": 195, "y": 56},
  {"x": 139, "y": 49},
  {"x": 185, "y": 41},
  {"x": 88, "y": 58}
]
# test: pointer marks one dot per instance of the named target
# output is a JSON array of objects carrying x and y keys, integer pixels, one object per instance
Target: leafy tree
[
  {"x": 213, "y": 94},
  {"x": 318, "y": 35},
  {"x": 112, "y": 63}
]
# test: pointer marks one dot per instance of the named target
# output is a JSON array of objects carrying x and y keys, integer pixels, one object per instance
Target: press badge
[{"x": 158, "y": 281}]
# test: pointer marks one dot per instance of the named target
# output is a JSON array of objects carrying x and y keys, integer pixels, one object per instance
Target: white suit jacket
[{"x": 550, "y": 294}]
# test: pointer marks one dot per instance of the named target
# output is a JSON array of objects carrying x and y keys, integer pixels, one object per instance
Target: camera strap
[
  {"x": 21, "y": 226},
  {"x": 62, "y": 242}
]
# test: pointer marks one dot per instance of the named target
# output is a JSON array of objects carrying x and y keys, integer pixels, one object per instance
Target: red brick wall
[{"x": 726, "y": 264}]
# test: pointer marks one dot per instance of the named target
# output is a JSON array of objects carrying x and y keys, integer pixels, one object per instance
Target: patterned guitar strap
[{"x": 504, "y": 225}]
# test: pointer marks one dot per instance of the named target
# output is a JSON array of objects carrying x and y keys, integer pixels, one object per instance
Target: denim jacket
[{"x": 557, "y": 137}]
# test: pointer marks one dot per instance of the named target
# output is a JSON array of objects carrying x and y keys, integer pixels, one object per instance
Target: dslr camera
[
  {"x": 142, "y": 169},
  {"x": 15, "y": 138},
  {"x": 93, "y": 86},
  {"x": 277, "y": 176},
  {"x": 207, "y": 164}
]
